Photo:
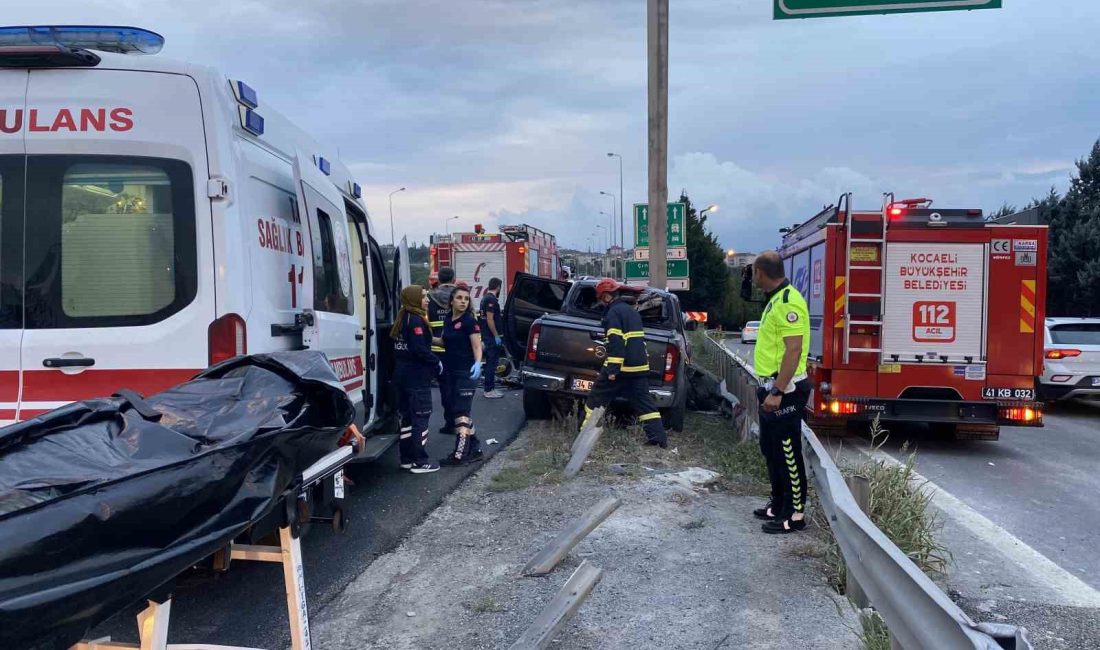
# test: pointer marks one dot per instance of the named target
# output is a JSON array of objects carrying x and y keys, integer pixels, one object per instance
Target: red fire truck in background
[
  {"x": 921, "y": 314},
  {"x": 478, "y": 256}
]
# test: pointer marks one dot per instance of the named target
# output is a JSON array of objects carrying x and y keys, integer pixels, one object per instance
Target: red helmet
[{"x": 606, "y": 285}]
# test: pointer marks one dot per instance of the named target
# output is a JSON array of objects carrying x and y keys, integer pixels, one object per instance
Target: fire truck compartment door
[
  {"x": 476, "y": 264},
  {"x": 934, "y": 302}
]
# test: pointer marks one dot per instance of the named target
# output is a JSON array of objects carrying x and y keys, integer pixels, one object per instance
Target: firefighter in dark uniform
[
  {"x": 439, "y": 303},
  {"x": 461, "y": 370},
  {"x": 780, "y": 361},
  {"x": 415, "y": 366},
  {"x": 625, "y": 372}
]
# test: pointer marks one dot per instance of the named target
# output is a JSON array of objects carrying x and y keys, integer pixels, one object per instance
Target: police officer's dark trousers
[
  {"x": 634, "y": 388},
  {"x": 461, "y": 398},
  {"x": 414, "y": 395},
  {"x": 492, "y": 357},
  {"x": 781, "y": 444}
]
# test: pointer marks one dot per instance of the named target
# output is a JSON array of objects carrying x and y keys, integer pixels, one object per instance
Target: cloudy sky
[{"x": 503, "y": 111}]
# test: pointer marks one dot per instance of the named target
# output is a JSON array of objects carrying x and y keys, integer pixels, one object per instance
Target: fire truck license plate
[
  {"x": 1008, "y": 393},
  {"x": 582, "y": 384}
]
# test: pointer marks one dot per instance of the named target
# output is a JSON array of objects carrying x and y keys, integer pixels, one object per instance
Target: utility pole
[{"x": 657, "y": 21}]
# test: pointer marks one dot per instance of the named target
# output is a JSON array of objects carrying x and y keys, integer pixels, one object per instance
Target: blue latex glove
[
  {"x": 475, "y": 370},
  {"x": 439, "y": 370},
  {"x": 500, "y": 339}
]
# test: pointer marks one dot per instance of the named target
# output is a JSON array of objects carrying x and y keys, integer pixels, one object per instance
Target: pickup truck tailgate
[{"x": 577, "y": 345}]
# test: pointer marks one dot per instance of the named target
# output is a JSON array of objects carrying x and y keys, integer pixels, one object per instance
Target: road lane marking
[{"x": 1073, "y": 591}]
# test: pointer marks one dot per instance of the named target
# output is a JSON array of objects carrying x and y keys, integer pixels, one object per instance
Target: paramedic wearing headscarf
[
  {"x": 415, "y": 366},
  {"x": 461, "y": 369}
]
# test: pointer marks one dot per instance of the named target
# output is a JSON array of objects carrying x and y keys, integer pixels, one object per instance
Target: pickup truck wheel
[{"x": 536, "y": 404}]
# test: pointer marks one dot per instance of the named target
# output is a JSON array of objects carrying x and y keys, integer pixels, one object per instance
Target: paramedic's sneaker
[
  {"x": 494, "y": 394},
  {"x": 424, "y": 468},
  {"x": 406, "y": 466}
]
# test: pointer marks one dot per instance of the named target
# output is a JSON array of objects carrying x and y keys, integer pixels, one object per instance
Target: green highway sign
[
  {"x": 636, "y": 270},
  {"x": 832, "y": 8},
  {"x": 676, "y": 233}
]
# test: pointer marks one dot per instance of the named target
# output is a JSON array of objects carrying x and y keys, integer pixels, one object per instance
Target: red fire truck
[
  {"x": 478, "y": 256},
  {"x": 921, "y": 314}
]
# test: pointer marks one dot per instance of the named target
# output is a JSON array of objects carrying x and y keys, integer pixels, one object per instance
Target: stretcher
[{"x": 103, "y": 503}]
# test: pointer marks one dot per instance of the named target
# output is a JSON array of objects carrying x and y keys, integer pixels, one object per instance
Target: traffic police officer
[
  {"x": 780, "y": 361},
  {"x": 626, "y": 370}
]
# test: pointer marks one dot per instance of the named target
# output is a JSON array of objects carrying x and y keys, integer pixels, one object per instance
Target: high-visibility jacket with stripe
[
  {"x": 438, "y": 307},
  {"x": 626, "y": 351}
]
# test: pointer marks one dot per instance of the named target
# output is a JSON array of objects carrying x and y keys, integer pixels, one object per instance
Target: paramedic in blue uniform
[
  {"x": 461, "y": 343},
  {"x": 490, "y": 336},
  {"x": 416, "y": 365},
  {"x": 439, "y": 303},
  {"x": 625, "y": 373},
  {"x": 782, "y": 344}
]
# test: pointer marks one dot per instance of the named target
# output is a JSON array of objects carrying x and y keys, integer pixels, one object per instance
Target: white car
[
  {"x": 1071, "y": 367},
  {"x": 749, "y": 331}
]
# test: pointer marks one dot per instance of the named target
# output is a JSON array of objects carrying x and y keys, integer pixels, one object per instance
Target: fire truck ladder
[{"x": 877, "y": 229}]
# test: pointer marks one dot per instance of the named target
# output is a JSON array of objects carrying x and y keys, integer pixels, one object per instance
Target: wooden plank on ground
[
  {"x": 585, "y": 443},
  {"x": 549, "y": 557},
  {"x": 558, "y": 612}
]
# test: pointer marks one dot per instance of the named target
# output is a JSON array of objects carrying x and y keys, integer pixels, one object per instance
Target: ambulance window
[
  {"x": 329, "y": 291},
  {"x": 110, "y": 241}
]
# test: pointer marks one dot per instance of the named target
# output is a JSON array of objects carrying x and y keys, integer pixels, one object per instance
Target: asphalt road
[
  {"x": 246, "y": 606},
  {"x": 1038, "y": 484}
]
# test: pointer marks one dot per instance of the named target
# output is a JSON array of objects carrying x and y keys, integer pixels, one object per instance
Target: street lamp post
[
  {"x": 611, "y": 220},
  {"x": 622, "y": 232},
  {"x": 603, "y": 256},
  {"x": 447, "y": 225},
  {"x": 392, "y": 242}
]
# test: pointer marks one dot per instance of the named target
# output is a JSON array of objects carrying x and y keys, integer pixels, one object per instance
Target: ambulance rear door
[
  {"x": 13, "y": 93},
  {"x": 117, "y": 288},
  {"x": 331, "y": 324}
]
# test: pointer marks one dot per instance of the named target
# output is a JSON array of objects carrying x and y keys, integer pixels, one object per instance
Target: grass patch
[
  {"x": 873, "y": 634},
  {"x": 538, "y": 459},
  {"x": 899, "y": 508},
  {"x": 694, "y": 524},
  {"x": 486, "y": 605}
]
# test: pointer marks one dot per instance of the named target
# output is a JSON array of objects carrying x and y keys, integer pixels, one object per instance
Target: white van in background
[{"x": 156, "y": 217}]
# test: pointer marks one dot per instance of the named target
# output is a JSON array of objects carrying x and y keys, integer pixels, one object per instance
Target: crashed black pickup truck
[{"x": 552, "y": 328}]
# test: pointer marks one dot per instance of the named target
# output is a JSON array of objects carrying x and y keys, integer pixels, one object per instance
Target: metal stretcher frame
[{"x": 153, "y": 620}]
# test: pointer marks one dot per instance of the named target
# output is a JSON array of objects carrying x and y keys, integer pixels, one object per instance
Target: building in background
[{"x": 735, "y": 260}]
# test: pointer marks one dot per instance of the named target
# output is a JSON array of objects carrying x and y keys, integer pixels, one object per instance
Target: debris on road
[{"x": 678, "y": 571}]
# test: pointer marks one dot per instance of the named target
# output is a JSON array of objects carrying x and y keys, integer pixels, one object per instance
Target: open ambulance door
[
  {"x": 330, "y": 324},
  {"x": 531, "y": 298},
  {"x": 402, "y": 275}
]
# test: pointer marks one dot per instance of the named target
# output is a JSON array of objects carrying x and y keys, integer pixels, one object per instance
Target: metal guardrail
[{"x": 917, "y": 613}]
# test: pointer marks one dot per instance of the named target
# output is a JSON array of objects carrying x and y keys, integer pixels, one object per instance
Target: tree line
[{"x": 1073, "y": 259}]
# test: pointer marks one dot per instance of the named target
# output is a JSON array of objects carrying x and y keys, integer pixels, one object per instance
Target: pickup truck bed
[{"x": 553, "y": 327}]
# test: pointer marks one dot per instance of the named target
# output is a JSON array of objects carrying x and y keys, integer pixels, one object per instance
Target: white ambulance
[{"x": 156, "y": 217}]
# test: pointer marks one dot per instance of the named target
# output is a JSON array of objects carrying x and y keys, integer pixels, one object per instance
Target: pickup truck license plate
[
  {"x": 582, "y": 384},
  {"x": 1008, "y": 393}
]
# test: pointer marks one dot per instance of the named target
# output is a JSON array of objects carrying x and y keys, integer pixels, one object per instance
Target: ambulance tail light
[
  {"x": 672, "y": 359},
  {"x": 227, "y": 338},
  {"x": 1062, "y": 353},
  {"x": 533, "y": 342}
]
